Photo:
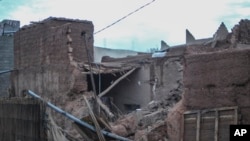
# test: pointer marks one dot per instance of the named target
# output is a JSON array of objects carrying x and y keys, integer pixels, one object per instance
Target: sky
[{"x": 165, "y": 20}]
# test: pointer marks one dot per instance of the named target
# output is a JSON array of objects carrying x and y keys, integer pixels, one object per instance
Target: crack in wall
[{"x": 70, "y": 48}]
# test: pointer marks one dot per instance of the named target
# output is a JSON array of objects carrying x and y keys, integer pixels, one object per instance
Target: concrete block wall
[
  {"x": 6, "y": 52},
  {"x": 9, "y": 27},
  {"x": 6, "y": 62}
]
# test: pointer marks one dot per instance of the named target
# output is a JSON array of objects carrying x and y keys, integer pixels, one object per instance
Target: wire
[{"x": 117, "y": 21}]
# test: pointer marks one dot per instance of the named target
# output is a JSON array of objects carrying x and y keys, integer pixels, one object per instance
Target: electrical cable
[{"x": 124, "y": 17}]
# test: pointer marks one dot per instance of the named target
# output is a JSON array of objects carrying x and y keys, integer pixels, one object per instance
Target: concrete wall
[
  {"x": 6, "y": 62},
  {"x": 9, "y": 27},
  {"x": 47, "y": 55},
  {"x": 6, "y": 53}
]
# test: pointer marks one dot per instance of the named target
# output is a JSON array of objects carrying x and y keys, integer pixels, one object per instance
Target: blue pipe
[
  {"x": 6, "y": 71},
  {"x": 76, "y": 119}
]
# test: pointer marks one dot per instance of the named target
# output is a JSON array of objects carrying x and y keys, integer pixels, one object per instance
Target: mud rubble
[{"x": 159, "y": 119}]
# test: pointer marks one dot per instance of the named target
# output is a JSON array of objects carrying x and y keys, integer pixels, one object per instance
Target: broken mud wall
[
  {"x": 47, "y": 57},
  {"x": 134, "y": 91},
  {"x": 241, "y": 33},
  {"x": 25, "y": 122},
  {"x": 167, "y": 76},
  {"x": 166, "y": 88},
  {"x": 217, "y": 79},
  {"x": 213, "y": 80}
]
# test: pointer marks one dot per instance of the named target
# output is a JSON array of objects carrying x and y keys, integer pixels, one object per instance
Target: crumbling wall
[
  {"x": 220, "y": 78},
  {"x": 167, "y": 76},
  {"x": 241, "y": 33},
  {"x": 213, "y": 80},
  {"x": 48, "y": 55},
  {"x": 48, "y": 59},
  {"x": 166, "y": 83}
]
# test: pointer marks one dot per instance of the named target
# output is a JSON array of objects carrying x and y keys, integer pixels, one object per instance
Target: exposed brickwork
[
  {"x": 217, "y": 79},
  {"x": 213, "y": 80},
  {"x": 47, "y": 56}
]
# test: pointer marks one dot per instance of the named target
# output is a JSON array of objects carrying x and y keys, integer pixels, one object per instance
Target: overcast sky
[{"x": 161, "y": 20}]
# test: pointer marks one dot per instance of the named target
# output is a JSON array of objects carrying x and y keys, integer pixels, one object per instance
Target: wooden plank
[
  {"x": 81, "y": 132},
  {"x": 216, "y": 131},
  {"x": 211, "y": 110},
  {"x": 198, "y": 126},
  {"x": 97, "y": 126},
  {"x": 116, "y": 82},
  {"x": 236, "y": 116},
  {"x": 183, "y": 127},
  {"x": 228, "y": 115}
]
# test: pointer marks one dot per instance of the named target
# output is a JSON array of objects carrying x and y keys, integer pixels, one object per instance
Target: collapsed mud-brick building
[
  {"x": 7, "y": 30},
  {"x": 48, "y": 54},
  {"x": 216, "y": 89},
  {"x": 52, "y": 58},
  {"x": 47, "y": 57},
  {"x": 151, "y": 79}
]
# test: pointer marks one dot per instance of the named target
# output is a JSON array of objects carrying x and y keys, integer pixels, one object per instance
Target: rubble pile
[{"x": 141, "y": 97}]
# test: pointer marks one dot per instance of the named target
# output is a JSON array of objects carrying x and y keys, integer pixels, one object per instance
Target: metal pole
[{"x": 71, "y": 117}]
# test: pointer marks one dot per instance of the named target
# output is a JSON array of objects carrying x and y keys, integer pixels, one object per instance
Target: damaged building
[
  {"x": 187, "y": 92},
  {"x": 54, "y": 63},
  {"x": 216, "y": 88},
  {"x": 53, "y": 59}
]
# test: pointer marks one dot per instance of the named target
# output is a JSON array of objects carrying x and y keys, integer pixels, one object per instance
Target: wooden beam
[
  {"x": 85, "y": 136},
  {"x": 97, "y": 126},
  {"x": 116, "y": 82},
  {"x": 198, "y": 128},
  {"x": 104, "y": 107},
  {"x": 216, "y": 131}
]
